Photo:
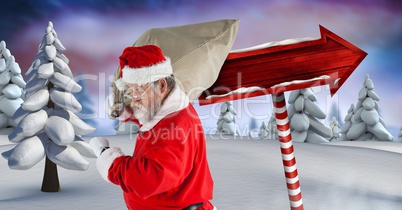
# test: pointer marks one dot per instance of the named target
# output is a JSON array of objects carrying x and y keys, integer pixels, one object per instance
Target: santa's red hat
[{"x": 141, "y": 65}]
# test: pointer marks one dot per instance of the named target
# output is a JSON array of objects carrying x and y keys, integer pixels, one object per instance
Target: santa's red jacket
[{"x": 169, "y": 168}]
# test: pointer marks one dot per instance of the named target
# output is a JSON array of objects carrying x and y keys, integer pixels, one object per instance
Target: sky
[{"x": 95, "y": 33}]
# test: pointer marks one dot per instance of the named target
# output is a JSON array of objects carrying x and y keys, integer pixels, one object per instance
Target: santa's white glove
[
  {"x": 99, "y": 145},
  {"x": 105, "y": 155}
]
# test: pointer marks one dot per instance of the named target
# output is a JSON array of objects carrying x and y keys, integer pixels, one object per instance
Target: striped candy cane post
[{"x": 288, "y": 158}]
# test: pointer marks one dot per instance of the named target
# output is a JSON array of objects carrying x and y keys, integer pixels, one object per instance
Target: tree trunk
[{"x": 50, "y": 181}]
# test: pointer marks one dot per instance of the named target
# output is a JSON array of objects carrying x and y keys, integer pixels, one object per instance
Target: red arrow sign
[{"x": 328, "y": 60}]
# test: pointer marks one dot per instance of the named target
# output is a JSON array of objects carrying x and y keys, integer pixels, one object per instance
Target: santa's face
[{"x": 145, "y": 101}]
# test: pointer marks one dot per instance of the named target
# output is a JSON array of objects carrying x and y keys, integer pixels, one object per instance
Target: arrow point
[{"x": 342, "y": 74}]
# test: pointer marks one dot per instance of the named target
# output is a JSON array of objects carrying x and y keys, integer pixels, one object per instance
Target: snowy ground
[{"x": 248, "y": 174}]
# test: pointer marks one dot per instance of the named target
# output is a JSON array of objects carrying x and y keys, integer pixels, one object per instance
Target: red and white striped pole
[{"x": 288, "y": 158}]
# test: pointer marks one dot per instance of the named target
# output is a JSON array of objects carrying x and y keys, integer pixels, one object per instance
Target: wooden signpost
[{"x": 273, "y": 70}]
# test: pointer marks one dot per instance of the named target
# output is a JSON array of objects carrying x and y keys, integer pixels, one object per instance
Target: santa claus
[{"x": 169, "y": 168}]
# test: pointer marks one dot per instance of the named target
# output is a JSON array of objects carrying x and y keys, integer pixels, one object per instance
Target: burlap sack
[{"x": 197, "y": 51}]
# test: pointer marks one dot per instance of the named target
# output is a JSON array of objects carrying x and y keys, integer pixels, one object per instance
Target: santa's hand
[{"x": 99, "y": 145}]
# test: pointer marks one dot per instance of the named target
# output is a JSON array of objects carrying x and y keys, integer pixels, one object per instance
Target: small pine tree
[
  {"x": 226, "y": 122},
  {"x": 367, "y": 124},
  {"x": 11, "y": 89},
  {"x": 272, "y": 129},
  {"x": 264, "y": 132},
  {"x": 304, "y": 114},
  {"x": 334, "y": 125}
]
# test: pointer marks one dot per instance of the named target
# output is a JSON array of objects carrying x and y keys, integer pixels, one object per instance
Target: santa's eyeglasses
[{"x": 138, "y": 96}]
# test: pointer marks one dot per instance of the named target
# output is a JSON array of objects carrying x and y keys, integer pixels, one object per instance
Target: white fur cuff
[{"x": 106, "y": 159}]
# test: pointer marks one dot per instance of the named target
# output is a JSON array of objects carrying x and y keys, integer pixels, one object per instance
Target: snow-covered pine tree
[
  {"x": 334, "y": 125},
  {"x": 303, "y": 114},
  {"x": 273, "y": 130},
  {"x": 263, "y": 132},
  {"x": 47, "y": 125},
  {"x": 226, "y": 122},
  {"x": 348, "y": 123},
  {"x": 367, "y": 124},
  {"x": 11, "y": 89}
]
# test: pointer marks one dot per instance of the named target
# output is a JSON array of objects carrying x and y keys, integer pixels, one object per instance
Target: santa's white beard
[{"x": 145, "y": 114}]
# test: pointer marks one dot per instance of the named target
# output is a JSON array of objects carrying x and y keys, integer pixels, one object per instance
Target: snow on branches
[
  {"x": 226, "y": 122},
  {"x": 11, "y": 88},
  {"x": 334, "y": 125},
  {"x": 263, "y": 133},
  {"x": 304, "y": 113},
  {"x": 348, "y": 123}
]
